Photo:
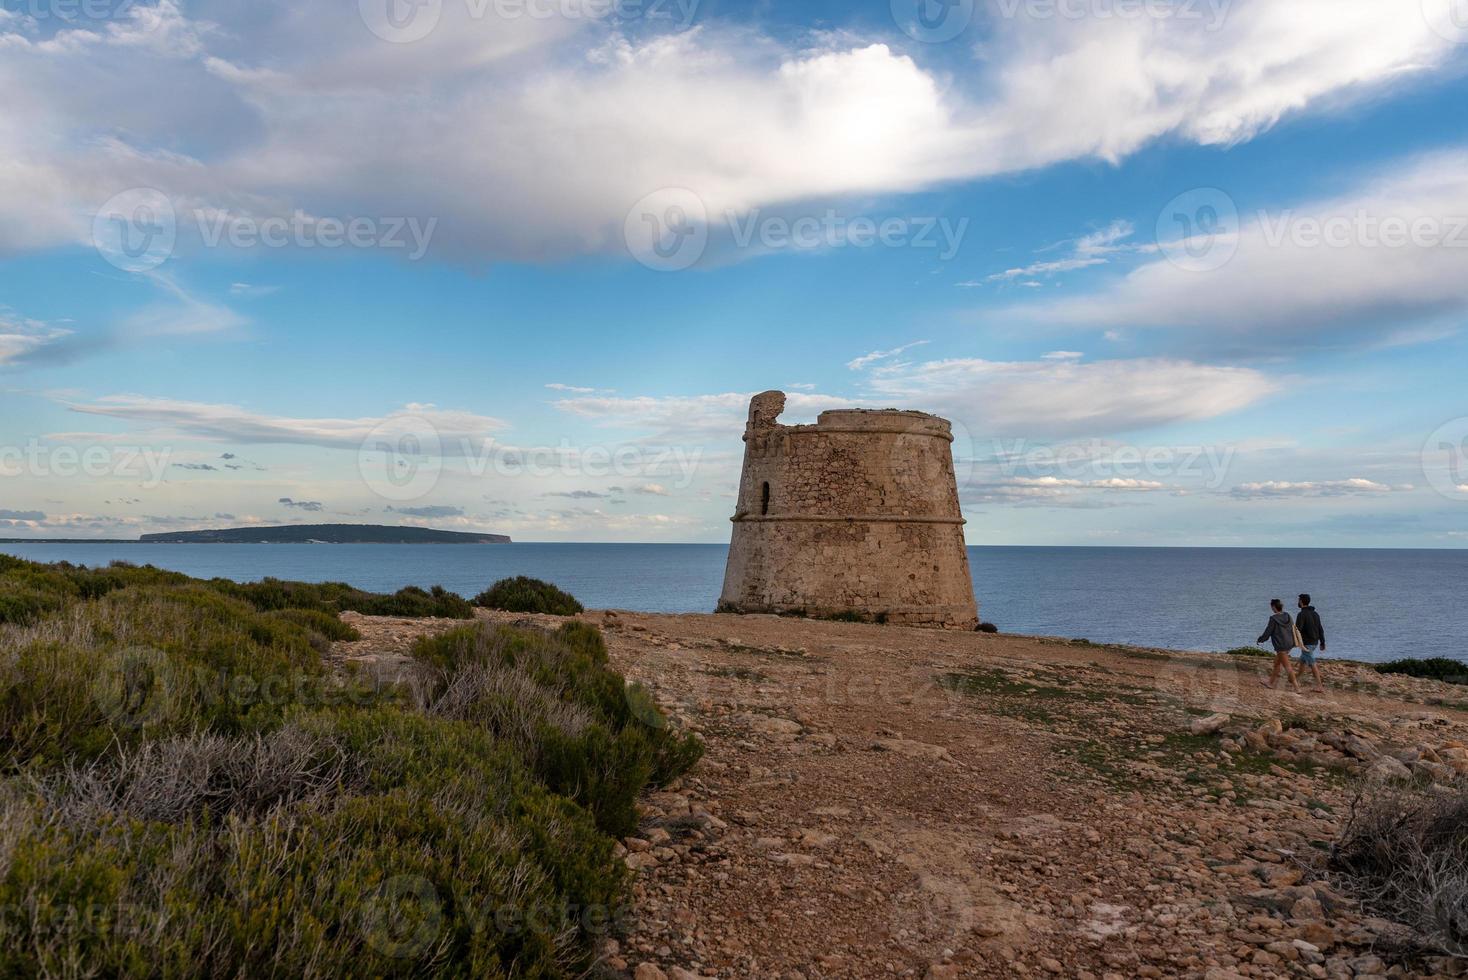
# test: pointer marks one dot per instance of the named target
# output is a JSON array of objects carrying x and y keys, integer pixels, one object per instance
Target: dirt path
[{"x": 879, "y": 801}]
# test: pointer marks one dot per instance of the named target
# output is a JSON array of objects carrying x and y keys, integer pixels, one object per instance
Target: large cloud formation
[{"x": 530, "y": 137}]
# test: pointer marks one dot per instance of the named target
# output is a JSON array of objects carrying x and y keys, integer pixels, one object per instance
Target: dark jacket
[
  {"x": 1311, "y": 630},
  {"x": 1280, "y": 630}
]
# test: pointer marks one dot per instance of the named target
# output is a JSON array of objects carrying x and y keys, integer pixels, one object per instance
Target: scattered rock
[
  {"x": 911, "y": 749},
  {"x": 1208, "y": 726}
]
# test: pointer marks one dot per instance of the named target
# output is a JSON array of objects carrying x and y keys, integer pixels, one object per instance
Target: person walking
[
  {"x": 1280, "y": 632},
  {"x": 1312, "y": 636}
]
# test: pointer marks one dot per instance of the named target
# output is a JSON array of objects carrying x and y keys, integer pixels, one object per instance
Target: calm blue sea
[{"x": 1377, "y": 605}]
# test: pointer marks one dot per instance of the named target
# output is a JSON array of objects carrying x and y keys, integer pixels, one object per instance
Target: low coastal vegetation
[
  {"x": 1436, "y": 668},
  {"x": 30, "y": 591},
  {"x": 188, "y": 786},
  {"x": 528, "y": 595}
]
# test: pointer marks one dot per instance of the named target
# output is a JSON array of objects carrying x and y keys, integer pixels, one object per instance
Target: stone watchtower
[{"x": 855, "y": 515}]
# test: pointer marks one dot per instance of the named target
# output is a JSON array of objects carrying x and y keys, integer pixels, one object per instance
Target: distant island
[{"x": 324, "y": 534}]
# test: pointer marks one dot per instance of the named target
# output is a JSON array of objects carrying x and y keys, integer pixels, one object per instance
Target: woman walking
[{"x": 1280, "y": 631}]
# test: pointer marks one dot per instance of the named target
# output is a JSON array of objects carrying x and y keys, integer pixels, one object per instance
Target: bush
[
  {"x": 583, "y": 730},
  {"x": 140, "y": 664},
  {"x": 528, "y": 595},
  {"x": 437, "y": 855},
  {"x": 1436, "y": 668},
  {"x": 186, "y": 790},
  {"x": 337, "y": 597},
  {"x": 1249, "y": 652},
  {"x": 1405, "y": 853},
  {"x": 320, "y": 622}
]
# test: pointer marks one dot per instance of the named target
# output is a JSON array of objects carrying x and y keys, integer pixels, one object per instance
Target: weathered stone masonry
[{"x": 856, "y": 514}]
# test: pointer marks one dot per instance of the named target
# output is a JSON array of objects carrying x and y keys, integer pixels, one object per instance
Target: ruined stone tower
[{"x": 857, "y": 514}]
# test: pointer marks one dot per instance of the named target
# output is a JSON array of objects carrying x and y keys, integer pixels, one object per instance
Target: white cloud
[
  {"x": 691, "y": 417},
  {"x": 867, "y": 360},
  {"x": 1327, "y": 488},
  {"x": 578, "y": 390},
  {"x": 21, "y": 338},
  {"x": 1336, "y": 263},
  {"x": 531, "y": 137},
  {"x": 1068, "y": 397},
  {"x": 1089, "y": 250},
  {"x": 455, "y": 431},
  {"x": 251, "y": 289}
]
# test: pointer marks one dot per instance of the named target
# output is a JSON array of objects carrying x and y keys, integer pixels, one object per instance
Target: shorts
[{"x": 1307, "y": 654}]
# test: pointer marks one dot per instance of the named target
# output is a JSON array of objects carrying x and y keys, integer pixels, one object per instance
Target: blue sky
[{"x": 1190, "y": 272}]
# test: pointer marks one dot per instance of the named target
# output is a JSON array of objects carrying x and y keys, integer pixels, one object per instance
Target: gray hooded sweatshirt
[{"x": 1280, "y": 630}]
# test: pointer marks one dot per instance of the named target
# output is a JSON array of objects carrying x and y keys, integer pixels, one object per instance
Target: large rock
[
  {"x": 1387, "y": 769},
  {"x": 1208, "y": 726},
  {"x": 910, "y": 748}
]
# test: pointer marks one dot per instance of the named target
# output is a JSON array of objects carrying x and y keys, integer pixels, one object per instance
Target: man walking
[
  {"x": 1280, "y": 632},
  {"x": 1312, "y": 635}
]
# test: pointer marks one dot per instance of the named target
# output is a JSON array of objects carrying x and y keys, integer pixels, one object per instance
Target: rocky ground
[{"x": 880, "y": 801}]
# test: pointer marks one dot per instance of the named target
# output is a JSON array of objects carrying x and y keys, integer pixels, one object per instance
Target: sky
[{"x": 1180, "y": 272}]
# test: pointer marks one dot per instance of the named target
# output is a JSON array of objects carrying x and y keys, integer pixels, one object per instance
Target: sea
[{"x": 1376, "y": 604}]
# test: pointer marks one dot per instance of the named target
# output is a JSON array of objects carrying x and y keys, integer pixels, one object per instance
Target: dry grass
[{"x": 1405, "y": 853}]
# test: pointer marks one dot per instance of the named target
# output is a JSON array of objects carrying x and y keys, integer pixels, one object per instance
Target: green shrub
[
  {"x": 1436, "y": 668},
  {"x": 23, "y": 604},
  {"x": 1249, "y": 652},
  {"x": 186, "y": 790},
  {"x": 528, "y": 595},
  {"x": 317, "y": 621},
  {"x": 584, "y": 731},
  {"x": 336, "y": 597},
  {"x": 440, "y": 857}
]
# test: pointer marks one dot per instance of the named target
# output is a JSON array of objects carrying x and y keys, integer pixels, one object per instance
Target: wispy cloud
[
  {"x": 1068, "y": 397},
  {"x": 1387, "y": 262},
  {"x": 234, "y": 424},
  {"x": 1327, "y": 488},
  {"x": 867, "y": 360}
]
